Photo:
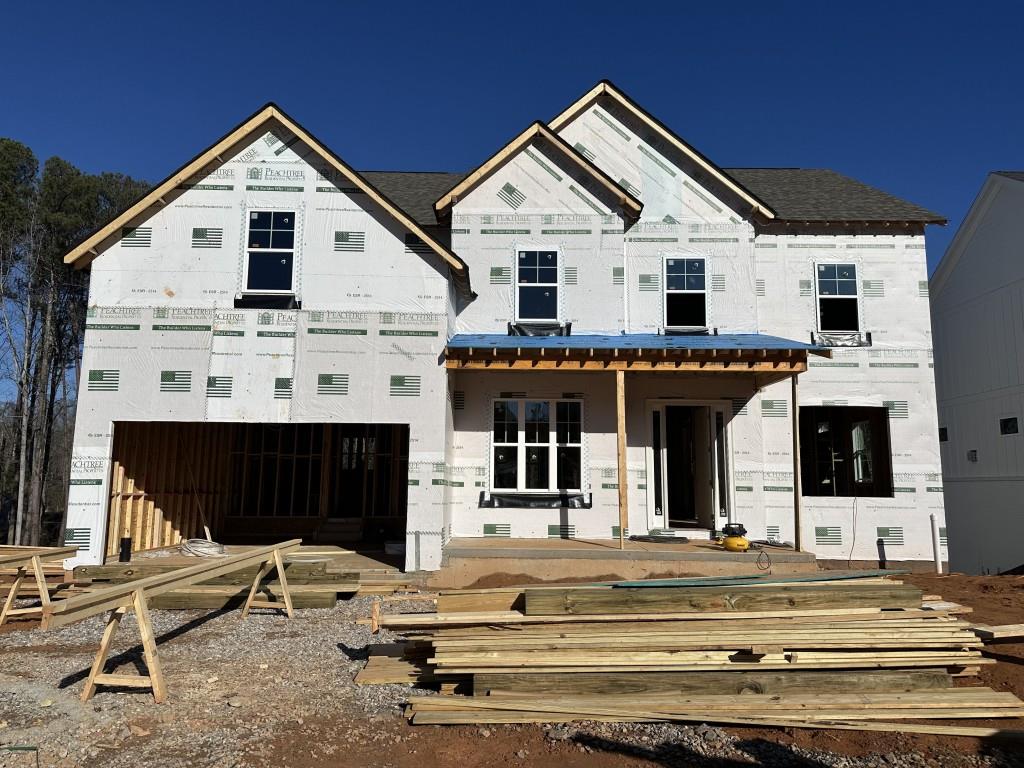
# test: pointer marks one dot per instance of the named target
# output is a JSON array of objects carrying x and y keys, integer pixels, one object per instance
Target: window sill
[
  {"x": 842, "y": 338},
  {"x": 535, "y": 500},
  {"x": 257, "y": 300}
]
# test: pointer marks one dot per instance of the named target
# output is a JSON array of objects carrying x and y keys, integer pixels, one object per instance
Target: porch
[
  {"x": 657, "y": 447},
  {"x": 474, "y": 561}
]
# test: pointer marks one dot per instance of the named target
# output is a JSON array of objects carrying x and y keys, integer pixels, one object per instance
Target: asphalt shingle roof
[
  {"x": 818, "y": 194},
  {"x": 415, "y": 192},
  {"x": 795, "y": 194}
]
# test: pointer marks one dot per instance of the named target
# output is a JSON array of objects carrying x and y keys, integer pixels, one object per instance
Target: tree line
[{"x": 44, "y": 212}]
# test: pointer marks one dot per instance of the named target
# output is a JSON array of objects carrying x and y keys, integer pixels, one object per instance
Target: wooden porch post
[
  {"x": 620, "y": 429},
  {"x": 797, "y": 543}
]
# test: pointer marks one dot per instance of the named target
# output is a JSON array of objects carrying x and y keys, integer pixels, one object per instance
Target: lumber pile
[{"x": 806, "y": 651}]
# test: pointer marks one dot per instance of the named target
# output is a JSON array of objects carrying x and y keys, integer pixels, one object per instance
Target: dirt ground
[{"x": 272, "y": 692}]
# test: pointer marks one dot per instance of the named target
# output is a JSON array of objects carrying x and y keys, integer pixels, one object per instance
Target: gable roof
[
  {"x": 83, "y": 253},
  {"x": 629, "y": 204},
  {"x": 608, "y": 89},
  {"x": 818, "y": 194}
]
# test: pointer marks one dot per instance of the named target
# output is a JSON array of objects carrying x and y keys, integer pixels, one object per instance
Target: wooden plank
[
  {"x": 83, "y": 606},
  {"x": 989, "y": 632},
  {"x": 25, "y": 556},
  {"x": 514, "y": 618},
  {"x": 725, "y": 719},
  {"x": 735, "y": 682},
  {"x": 683, "y": 599}
]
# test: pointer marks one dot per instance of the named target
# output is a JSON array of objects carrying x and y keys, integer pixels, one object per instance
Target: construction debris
[{"x": 858, "y": 652}]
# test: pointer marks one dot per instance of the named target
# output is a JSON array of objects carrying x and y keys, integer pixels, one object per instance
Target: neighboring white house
[
  {"x": 978, "y": 320},
  {"x": 279, "y": 345}
]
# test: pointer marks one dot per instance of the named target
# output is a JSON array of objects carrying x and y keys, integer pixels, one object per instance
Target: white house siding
[
  {"x": 978, "y": 319},
  {"x": 896, "y": 371},
  {"x": 370, "y": 312}
]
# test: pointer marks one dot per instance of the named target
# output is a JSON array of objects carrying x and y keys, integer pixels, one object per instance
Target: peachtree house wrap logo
[
  {"x": 113, "y": 318},
  {"x": 278, "y": 319},
  {"x": 87, "y": 471},
  {"x": 183, "y": 319}
]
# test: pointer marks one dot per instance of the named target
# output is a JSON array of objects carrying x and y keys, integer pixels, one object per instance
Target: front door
[
  {"x": 680, "y": 466},
  {"x": 690, "y": 465}
]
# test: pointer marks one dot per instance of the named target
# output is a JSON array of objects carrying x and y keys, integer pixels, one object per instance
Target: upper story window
[
  {"x": 271, "y": 251},
  {"x": 537, "y": 286},
  {"x": 837, "y": 298},
  {"x": 686, "y": 305},
  {"x": 537, "y": 445}
]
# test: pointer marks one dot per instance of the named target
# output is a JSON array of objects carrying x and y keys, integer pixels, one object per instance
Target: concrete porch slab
[{"x": 469, "y": 561}]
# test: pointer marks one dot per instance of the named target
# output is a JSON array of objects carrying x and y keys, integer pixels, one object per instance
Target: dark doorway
[{"x": 681, "y": 465}]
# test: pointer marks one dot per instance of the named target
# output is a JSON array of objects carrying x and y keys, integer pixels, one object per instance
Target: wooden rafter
[
  {"x": 605, "y": 88},
  {"x": 537, "y": 130},
  {"x": 83, "y": 254}
]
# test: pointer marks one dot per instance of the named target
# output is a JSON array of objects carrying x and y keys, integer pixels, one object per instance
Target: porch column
[
  {"x": 796, "y": 465},
  {"x": 620, "y": 430}
]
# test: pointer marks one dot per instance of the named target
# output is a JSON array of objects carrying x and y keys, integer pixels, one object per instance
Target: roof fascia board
[
  {"x": 993, "y": 185},
  {"x": 605, "y": 87},
  {"x": 86, "y": 251},
  {"x": 628, "y": 202}
]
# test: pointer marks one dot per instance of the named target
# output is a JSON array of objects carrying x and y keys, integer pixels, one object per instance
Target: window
[
  {"x": 537, "y": 286},
  {"x": 685, "y": 294},
  {"x": 537, "y": 445},
  {"x": 837, "y": 298},
  {"x": 271, "y": 251},
  {"x": 845, "y": 452},
  {"x": 1008, "y": 426}
]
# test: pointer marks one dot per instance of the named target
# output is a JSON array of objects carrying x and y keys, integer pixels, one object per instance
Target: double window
[
  {"x": 270, "y": 248},
  {"x": 845, "y": 451},
  {"x": 537, "y": 445},
  {"x": 686, "y": 306},
  {"x": 537, "y": 286},
  {"x": 837, "y": 298}
]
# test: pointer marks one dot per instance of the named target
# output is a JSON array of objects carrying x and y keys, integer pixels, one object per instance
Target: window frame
[
  {"x": 293, "y": 251},
  {"x": 665, "y": 292},
  {"x": 842, "y": 419},
  {"x": 557, "y": 285},
  {"x": 522, "y": 446},
  {"x": 856, "y": 297}
]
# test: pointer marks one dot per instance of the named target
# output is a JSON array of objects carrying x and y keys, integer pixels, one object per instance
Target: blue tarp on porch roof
[{"x": 653, "y": 341}]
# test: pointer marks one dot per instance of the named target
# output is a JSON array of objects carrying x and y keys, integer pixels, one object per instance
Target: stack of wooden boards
[{"x": 840, "y": 649}]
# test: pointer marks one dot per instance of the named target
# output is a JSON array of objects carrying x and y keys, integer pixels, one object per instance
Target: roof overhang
[
  {"x": 606, "y": 88},
  {"x": 766, "y": 358},
  {"x": 630, "y": 205},
  {"x": 216, "y": 155}
]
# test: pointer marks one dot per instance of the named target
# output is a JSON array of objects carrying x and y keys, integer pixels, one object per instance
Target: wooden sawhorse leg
[
  {"x": 154, "y": 680},
  {"x": 19, "y": 581},
  {"x": 252, "y": 602}
]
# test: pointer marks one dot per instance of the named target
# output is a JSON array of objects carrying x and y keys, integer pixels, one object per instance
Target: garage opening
[{"x": 326, "y": 483}]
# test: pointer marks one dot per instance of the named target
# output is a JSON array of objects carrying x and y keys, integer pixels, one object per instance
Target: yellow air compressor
[{"x": 734, "y": 538}]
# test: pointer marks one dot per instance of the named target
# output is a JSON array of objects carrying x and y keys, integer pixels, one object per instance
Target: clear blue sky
[{"x": 920, "y": 99}]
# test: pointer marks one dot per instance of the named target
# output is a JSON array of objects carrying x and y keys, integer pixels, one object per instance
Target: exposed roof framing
[
  {"x": 629, "y": 204},
  {"x": 606, "y": 88},
  {"x": 213, "y": 156}
]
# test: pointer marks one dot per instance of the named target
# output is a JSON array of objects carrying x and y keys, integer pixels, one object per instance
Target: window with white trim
[
  {"x": 838, "y": 309},
  {"x": 686, "y": 299},
  {"x": 537, "y": 446},
  {"x": 537, "y": 286},
  {"x": 270, "y": 252}
]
